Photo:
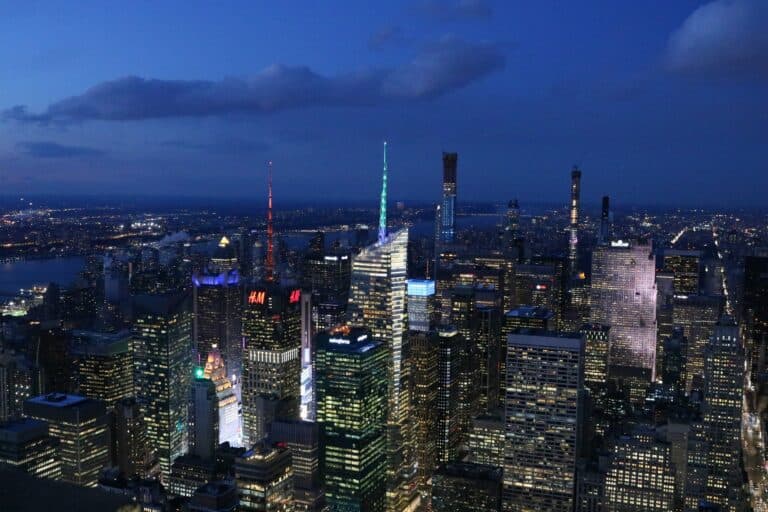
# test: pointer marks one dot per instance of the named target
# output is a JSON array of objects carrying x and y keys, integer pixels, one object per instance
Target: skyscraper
[
  {"x": 203, "y": 418},
  {"x": 624, "y": 298},
  {"x": 685, "y": 267},
  {"x": 26, "y": 445},
  {"x": 723, "y": 399},
  {"x": 271, "y": 362},
  {"x": 448, "y": 205},
  {"x": 217, "y": 299},
  {"x": 162, "y": 337},
  {"x": 378, "y": 302},
  {"x": 132, "y": 452},
  {"x": 421, "y": 297},
  {"x": 264, "y": 477},
  {"x": 640, "y": 476},
  {"x": 352, "y": 386},
  {"x": 449, "y": 428},
  {"x": 573, "y": 240},
  {"x": 303, "y": 439},
  {"x": 424, "y": 360},
  {"x": 17, "y": 383},
  {"x": 230, "y": 430},
  {"x": 697, "y": 315},
  {"x": 80, "y": 426},
  {"x": 545, "y": 376},
  {"x": 103, "y": 365},
  {"x": 605, "y": 222}
]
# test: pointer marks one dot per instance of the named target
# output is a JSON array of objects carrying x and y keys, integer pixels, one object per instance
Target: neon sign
[
  {"x": 294, "y": 297},
  {"x": 257, "y": 297}
]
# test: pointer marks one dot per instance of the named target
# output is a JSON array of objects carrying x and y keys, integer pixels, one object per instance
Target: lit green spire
[{"x": 383, "y": 206}]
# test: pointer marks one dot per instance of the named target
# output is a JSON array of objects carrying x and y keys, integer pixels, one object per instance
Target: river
[{"x": 19, "y": 274}]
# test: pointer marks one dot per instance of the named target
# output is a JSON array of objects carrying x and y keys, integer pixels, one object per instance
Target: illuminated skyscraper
[
  {"x": 26, "y": 445},
  {"x": 217, "y": 299},
  {"x": 162, "y": 337},
  {"x": 697, "y": 315},
  {"x": 424, "y": 360},
  {"x": 640, "y": 477},
  {"x": 545, "y": 376},
  {"x": 80, "y": 426},
  {"x": 624, "y": 298},
  {"x": 303, "y": 439},
  {"x": 597, "y": 340},
  {"x": 103, "y": 365},
  {"x": 352, "y": 385},
  {"x": 723, "y": 399},
  {"x": 307, "y": 379},
  {"x": 17, "y": 383},
  {"x": 421, "y": 307},
  {"x": 230, "y": 430},
  {"x": 271, "y": 363},
  {"x": 573, "y": 240},
  {"x": 449, "y": 424},
  {"x": 448, "y": 205},
  {"x": 378, "y": 302},
  {"x": 685, "y": 266},
  {"x": 486, "y": 441},
  {"x": 264, "y": 477}
]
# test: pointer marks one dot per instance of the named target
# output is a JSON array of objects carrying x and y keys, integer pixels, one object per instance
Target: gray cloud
[
  {"x": 47, "y": 149},
  {"x": 220, "y": 146},
  {"x": 438, "y": 69},
  {"x": 722, "y": 38},
  {"x": 385, "y": 36},
  {"x": 457, "y": 10}
]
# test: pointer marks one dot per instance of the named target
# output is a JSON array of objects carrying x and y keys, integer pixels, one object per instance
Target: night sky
[{"x": 659, "y": 102}]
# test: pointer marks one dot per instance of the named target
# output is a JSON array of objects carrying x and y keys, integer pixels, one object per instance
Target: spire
[
  {"x": 383, "y": 205},
  {"x": 270, "y": 263}
]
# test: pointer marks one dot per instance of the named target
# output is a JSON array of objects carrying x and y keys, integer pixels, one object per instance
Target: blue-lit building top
[
  {"x": 231, "y": 278},
  {"x": 421, "y": 293},
  {"x": 421, "y": 287}
]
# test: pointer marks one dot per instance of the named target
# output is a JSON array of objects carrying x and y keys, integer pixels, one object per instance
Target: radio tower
[{"x": 270, "y": 263}]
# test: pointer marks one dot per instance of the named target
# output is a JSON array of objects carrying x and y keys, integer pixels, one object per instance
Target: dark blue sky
[{"x": 657, "y": 101}]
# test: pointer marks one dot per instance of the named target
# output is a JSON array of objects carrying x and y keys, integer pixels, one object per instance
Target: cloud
[
  {"x": 457, "y": 10},
  {"x": 222, "y": 146},
  {"x": 47, "y": 149},
  {"x": 384, "y": 37},
  {"x": 722, "y": 38},
  {"x": 440, "y": 68}
]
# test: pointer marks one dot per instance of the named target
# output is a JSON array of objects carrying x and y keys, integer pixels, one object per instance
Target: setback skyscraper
[
  {"x": 378, "y": 302},
  {"x": 624, "y": 298}
]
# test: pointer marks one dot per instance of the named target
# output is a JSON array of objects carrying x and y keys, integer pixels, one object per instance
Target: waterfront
[{"x": 18, "y": 274}]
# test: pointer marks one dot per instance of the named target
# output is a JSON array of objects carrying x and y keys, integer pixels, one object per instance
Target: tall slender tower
[
  {"x": 383, "y": 202},
  {"x": 270, "y": 263},
  {"x": 377, "y": 302},
  {"x": 447, "y": 217},
  {"x": 605, "y": 221},
  {"x": 573, "y": 242}
]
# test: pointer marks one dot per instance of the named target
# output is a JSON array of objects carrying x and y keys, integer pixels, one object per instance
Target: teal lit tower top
[{"x": 383, "y": 206}]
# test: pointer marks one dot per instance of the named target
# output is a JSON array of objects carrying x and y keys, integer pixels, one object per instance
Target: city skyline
[{"x": 160, "y": 105}]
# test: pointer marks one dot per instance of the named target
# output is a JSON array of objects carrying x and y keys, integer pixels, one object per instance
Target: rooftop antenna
[{"x": 383, "y": 205}]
